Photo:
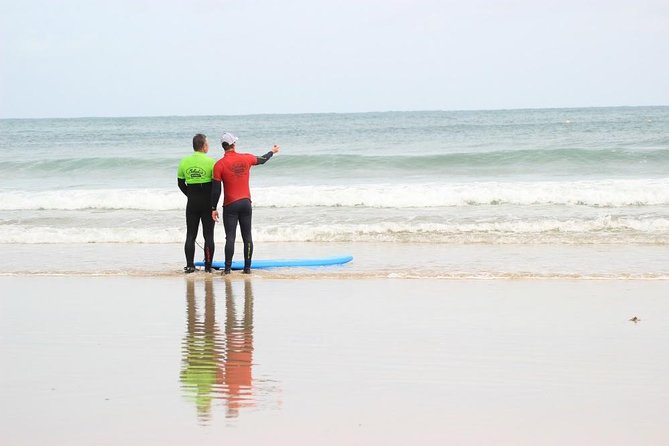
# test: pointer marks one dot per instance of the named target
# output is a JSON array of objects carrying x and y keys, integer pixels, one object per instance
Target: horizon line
[{"x": 334, "y": 113}]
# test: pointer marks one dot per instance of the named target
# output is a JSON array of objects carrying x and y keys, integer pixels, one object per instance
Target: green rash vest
[{"x": 196, "y": 168}]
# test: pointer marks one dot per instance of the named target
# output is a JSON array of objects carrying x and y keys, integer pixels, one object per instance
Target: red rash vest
[{"x": 233, "y": 171}]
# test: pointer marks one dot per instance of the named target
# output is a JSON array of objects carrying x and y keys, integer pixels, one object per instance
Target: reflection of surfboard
[{"x": 277, "y": 263}]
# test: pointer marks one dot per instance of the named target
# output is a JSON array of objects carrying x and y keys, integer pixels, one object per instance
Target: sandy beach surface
[
  {"x": 172, "y": 360},
  {"x": 371, "y": 260}
]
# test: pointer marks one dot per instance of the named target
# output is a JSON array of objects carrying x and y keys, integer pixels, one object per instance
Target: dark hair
[
  {"x": 225, "y": 145},
  {"x": 198, "y": 141}
]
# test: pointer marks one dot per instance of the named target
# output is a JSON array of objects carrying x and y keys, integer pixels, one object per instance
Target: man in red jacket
[{"x": 233, "y": 170}]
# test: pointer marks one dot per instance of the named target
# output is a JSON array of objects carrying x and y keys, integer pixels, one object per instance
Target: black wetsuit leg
[
  {"x": 192, "y": 225},
  {"x": 208, "y": 234},
  {"x": 238, "y": 212},
  {"x": 198, "y": 210},
  {"x": 245, "y": 217}
]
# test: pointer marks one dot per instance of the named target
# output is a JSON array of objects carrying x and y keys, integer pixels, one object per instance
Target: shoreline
[
  {"x": 288, "y": 274},
  {"x": 370, "y": 261}
]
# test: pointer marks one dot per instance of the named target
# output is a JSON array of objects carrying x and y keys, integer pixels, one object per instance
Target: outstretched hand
[{"x": 275, "y": 148}]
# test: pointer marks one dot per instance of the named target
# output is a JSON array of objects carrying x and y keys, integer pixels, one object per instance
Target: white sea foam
[
  {"x": 550, "y": 230},
  {"x": 132, "y": 199},
  {"x": 599, "y": 193},
  {"x": 607, "y": 193},
  {"x": 546, "y": 230},
  {"x": 50, "y": 235}
]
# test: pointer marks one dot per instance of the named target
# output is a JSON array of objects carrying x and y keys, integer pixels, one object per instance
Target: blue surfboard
[{"x": 278, "y": 263}]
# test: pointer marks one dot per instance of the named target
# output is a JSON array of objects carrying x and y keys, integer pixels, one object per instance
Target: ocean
[{"x": 419, "y": 187}]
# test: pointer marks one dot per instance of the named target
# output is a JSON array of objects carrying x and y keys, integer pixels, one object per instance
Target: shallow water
[{"x": 118, "y": 360}]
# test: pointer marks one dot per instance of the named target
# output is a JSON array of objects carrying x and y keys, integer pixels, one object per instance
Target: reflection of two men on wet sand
[{"x": 215, "y": 365}]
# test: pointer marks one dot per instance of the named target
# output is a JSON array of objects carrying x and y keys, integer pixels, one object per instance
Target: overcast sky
[{"x": 164, "y": 57}]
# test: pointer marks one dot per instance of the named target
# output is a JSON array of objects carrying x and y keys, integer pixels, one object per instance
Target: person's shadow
[{"x": 215, "y": 366}]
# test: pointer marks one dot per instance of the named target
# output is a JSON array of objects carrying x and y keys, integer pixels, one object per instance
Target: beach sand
[
  {"x": 172, "y": 360},
  {"x": 371, "y": 260}
]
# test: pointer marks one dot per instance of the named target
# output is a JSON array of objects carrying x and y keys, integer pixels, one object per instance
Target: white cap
[{"x": 229, "y": 138}]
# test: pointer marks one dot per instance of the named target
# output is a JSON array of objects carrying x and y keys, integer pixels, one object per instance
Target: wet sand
[
  {"x": 173, "y": 360},
  {"x": 371, "y": 260}
]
